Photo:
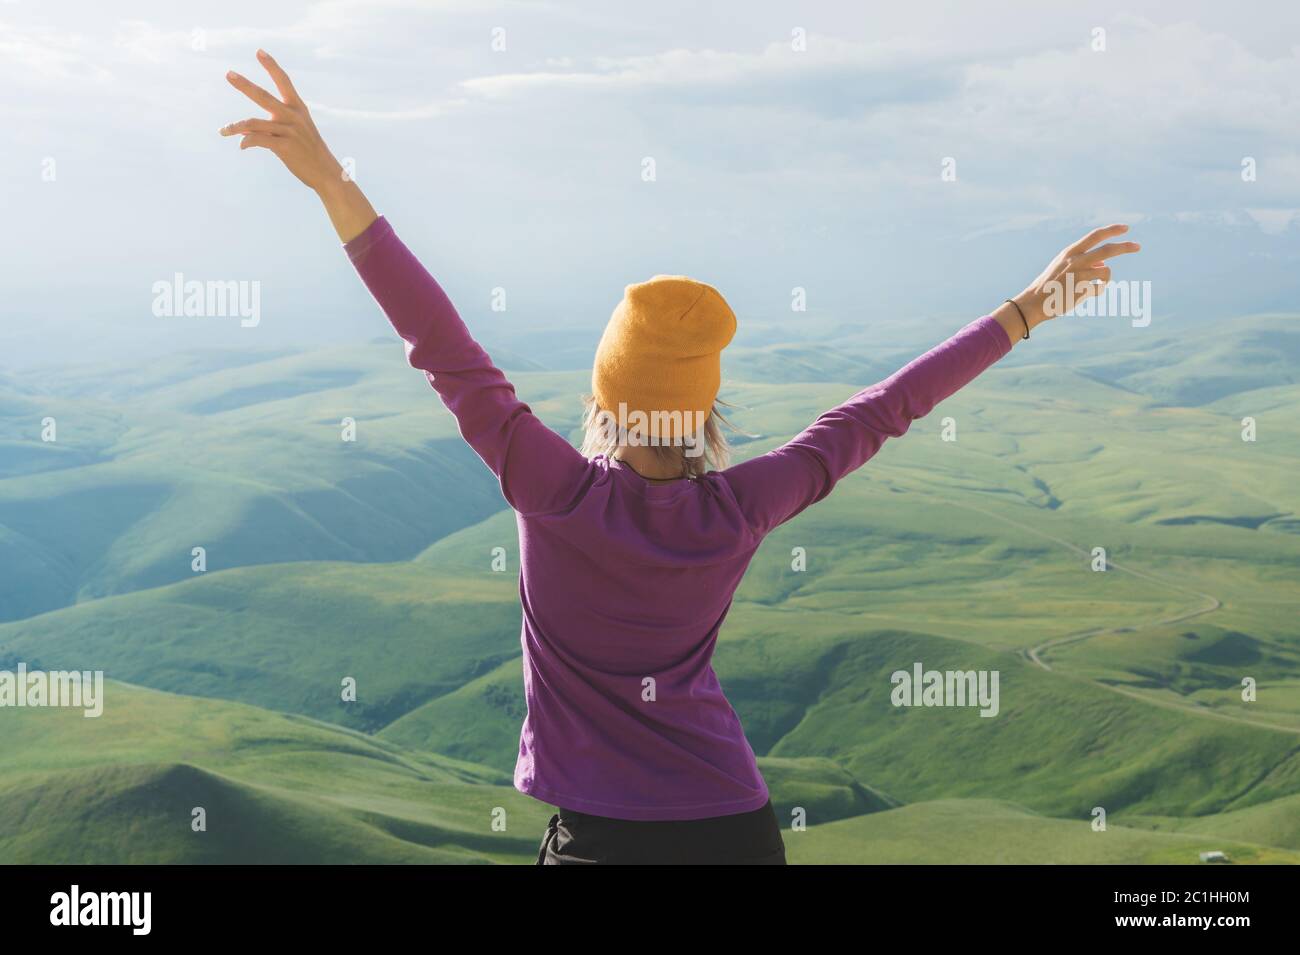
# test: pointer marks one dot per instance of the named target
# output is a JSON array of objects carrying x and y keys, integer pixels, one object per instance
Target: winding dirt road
[{"x": 1210, "y": 605}]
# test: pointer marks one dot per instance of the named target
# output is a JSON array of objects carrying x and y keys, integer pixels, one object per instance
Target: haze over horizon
[{"x": 521, "y": 168}]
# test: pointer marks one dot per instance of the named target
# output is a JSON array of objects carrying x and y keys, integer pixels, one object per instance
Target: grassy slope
[
  {"x": 245, "y": 461},
  {"x": 276, "y": 788},
  {"x": 1059, "y": 745},
  {"x": 908, "y": 560},
  {"x": 122, "y": 788},
  {"x": 285, "y": 636},
  {"x": 452, "y": 641},
  {"x": 983, "y": 832},
  {"x": 1275, "y": 823}
]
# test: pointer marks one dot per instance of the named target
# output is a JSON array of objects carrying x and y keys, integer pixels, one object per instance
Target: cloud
[
  {"x": 44, "y": 56},
  {"x": 427, "y": 111},
  {"x": 776, "y": 74},
  {"x": 1274, "y": 221},
  {"x": 1071, "y": 127},
  {"x": 823, "y": 164}
]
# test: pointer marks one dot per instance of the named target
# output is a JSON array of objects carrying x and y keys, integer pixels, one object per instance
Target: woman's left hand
[{"x": 289, "y": 133}]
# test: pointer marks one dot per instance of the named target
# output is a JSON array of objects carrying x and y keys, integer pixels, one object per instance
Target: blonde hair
[{"x": 599, "y": 438}]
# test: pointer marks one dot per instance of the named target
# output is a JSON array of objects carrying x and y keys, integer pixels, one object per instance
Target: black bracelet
[{"x": 1022, "y": 317}]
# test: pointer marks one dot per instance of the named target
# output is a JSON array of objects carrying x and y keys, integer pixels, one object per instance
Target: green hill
[
  {"x": 1274, "y": 823},
  {"x": 373, "y": 560},
  {"x": 1060, "y": 746},
  {"x": 243, "y": 459},
  {"x": 122, "y": 787},
  {"x": 988, "y": 832},
  {"x": 286, "y": 636},
  {"x": 274, "y": 789}
]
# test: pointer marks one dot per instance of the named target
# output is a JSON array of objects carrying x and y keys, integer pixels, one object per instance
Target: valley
[{"x": 374, "y": 559}]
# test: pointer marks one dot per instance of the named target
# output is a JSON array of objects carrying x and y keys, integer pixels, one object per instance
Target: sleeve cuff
[
  {"x": 358, "y": 246},
  {"x": 993, "y": 327}
]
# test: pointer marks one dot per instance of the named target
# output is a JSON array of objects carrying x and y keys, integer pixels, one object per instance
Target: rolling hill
[{"x": 373, "y": 560}]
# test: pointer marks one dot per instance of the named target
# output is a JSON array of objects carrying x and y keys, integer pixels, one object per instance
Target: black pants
[{"x": 749, "y": 838}]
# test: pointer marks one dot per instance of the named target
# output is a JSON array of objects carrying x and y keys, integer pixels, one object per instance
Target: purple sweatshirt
[{"x": 625, "y": 583}]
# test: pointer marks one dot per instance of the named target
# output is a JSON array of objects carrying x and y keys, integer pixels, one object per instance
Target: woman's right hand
[{"x": 1077, "y": 273}]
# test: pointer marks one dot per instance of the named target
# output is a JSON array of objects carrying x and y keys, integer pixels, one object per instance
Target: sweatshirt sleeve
[
  {"x": 774, "y": 487},
  {"x": 538, "y": 469}
]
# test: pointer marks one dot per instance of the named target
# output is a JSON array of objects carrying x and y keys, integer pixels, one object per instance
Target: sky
[{"x": 794, "y": 145}]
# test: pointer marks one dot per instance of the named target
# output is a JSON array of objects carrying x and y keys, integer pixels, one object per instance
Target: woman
[{"x": 631, "y": 551}]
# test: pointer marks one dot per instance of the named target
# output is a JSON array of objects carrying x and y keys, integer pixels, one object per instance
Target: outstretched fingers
[
  {"x": 280, "y": 78},
  {"x": 290, "y": 135},
  {"x": 254, "y": 92},
  {"x": 1108, "y": 251},
  {"x": 1095, "y": 236},
  {"x": 270, "y": 127}
]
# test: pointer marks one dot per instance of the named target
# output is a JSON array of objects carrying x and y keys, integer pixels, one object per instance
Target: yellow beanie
[{"x": 660, "y": 359}]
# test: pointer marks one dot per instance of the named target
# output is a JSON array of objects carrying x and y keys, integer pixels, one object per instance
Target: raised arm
[
  {"x": 774, "y": 487},
  {"x": 539, "y": 470}
]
